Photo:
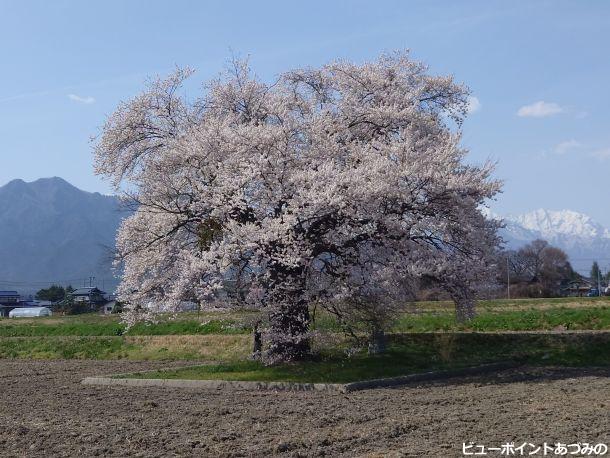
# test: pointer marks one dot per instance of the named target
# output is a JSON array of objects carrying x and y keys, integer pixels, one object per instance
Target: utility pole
[
  {"x": 599, "y": 283},
  {"x": 507, "y": 277}
]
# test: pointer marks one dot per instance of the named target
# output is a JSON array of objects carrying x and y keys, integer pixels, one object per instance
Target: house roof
[
  {"x": 87, "y": 291},
  {"x": 582, "y": 281},
  {"x": 8, "y": 293}
]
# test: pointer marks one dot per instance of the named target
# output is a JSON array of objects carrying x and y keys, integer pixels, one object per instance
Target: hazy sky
[{"x": 540, "y": 72}]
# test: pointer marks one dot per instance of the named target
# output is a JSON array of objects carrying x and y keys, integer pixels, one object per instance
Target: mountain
[
  {"x": 51, "y": 231},
  {"x": 582, "y": 238}
]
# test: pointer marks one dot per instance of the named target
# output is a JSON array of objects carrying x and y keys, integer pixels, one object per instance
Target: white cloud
[
  {"x": 585, "y": 151},
  {"x": 601, "y": 154},
  {"x": 80, "y": 99},
  {"x": 540, "y": 109},
  {"x": 473, "y": 104},
  {"x": 566, "y": 147}
]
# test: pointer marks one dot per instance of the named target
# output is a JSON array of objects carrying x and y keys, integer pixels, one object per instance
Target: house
[
  {"x": 8, "y": 301},
  {"x": 9, "y": 297},
  {"x": 576, "y": 288},
  {"x": 90, "y": 295},
  {"x": 39, "y": 303},
  {"x": 35, "y": 303},
  {"x": 108, "y": 308}
]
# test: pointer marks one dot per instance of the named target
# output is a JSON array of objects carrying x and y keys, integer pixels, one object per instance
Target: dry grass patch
[{"x": 204, "y": 347}]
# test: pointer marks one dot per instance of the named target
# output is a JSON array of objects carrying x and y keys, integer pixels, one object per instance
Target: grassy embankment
[
  {"x": 412, "y": 354},
  {"x": 432, "y": 340}
]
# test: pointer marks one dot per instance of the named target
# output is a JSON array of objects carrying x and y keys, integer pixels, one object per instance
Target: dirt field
[{"x": 44, "y": 411}]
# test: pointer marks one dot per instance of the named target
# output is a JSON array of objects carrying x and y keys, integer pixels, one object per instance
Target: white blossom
[{"x": 342, "y": 182}]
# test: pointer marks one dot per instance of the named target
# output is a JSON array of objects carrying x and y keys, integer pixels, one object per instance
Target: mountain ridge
[
  {"x": 580, "y": 236},
  {"x": 51, "y": 231}
]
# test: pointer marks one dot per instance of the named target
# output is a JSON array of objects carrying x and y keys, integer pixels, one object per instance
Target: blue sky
[{"x": 540, "y": 71}]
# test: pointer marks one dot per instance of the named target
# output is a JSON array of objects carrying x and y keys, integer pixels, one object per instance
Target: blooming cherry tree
[{"x": 332, "y": 184}]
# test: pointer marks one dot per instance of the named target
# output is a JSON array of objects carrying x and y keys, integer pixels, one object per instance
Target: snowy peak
[
  {"x": 582, "y": 238},
  {"x": 552, "y": 224}
]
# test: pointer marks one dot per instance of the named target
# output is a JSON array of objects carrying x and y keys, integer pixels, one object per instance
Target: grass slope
[
  {"x": 410, "y": 354},
  {"x": 112, "y": 327},
  {"x": 207, "y": 348}
]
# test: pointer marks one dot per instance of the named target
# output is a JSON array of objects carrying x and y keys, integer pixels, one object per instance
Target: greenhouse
[{"x": 28, "y": 312}]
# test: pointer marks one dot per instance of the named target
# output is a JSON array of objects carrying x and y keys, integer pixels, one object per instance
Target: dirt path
[{"x": 44, "y": 411}]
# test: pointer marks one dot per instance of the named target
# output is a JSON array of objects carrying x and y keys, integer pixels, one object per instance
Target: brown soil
[{"x": 44, "y": 411}]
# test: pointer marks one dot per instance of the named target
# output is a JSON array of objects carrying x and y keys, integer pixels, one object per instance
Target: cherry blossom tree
[{"x": 339, "y": 185}]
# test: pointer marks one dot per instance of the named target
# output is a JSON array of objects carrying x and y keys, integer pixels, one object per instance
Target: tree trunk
[
  {"x": 258, "y": 342},
  {"x": 288, "y": 333},
  {"x": 377, "y": 344},
  {"x": 464, "y": 298},
  {"x": 465, "y": 309}
]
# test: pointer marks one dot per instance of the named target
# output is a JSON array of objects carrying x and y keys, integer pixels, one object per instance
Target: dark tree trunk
[
  {"x": 377, "y": 344},
  {"x": 288, "y": 316},
  {"x": 288, "y": 333},
  {"x": 258, "y": 342}
]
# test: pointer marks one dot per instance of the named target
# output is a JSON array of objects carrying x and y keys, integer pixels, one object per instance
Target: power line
[
  {"x": 35, "y": 285},
  {"x": 47, "y": 282}
]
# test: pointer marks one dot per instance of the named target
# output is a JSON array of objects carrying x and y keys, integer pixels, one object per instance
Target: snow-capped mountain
[{"x": 582, "y": 238}]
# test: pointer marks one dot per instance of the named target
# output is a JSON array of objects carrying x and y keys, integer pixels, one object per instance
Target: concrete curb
[
  {"x": 215, "y": 384},
  {"x": 290, "y": 386}
]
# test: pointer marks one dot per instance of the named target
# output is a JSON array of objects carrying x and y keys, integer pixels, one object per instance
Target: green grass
[
  {"x": 225, "y": 337},
  {"x": 202, "y": 348},
  {"x": 523, "y": 302},
  {"x": 594, "y": 318},
  {"x": 112, "y": 327},
  {"x": 190, "y": 327},
  {"x": 64, "y": 348},
  {"x": 593, "y": 314},
  {"x": 494, "y": 319},
  {"x": 413, "y": 354}
]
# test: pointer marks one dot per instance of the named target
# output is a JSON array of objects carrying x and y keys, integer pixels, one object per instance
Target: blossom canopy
[{"x": 328, "y": 184}]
